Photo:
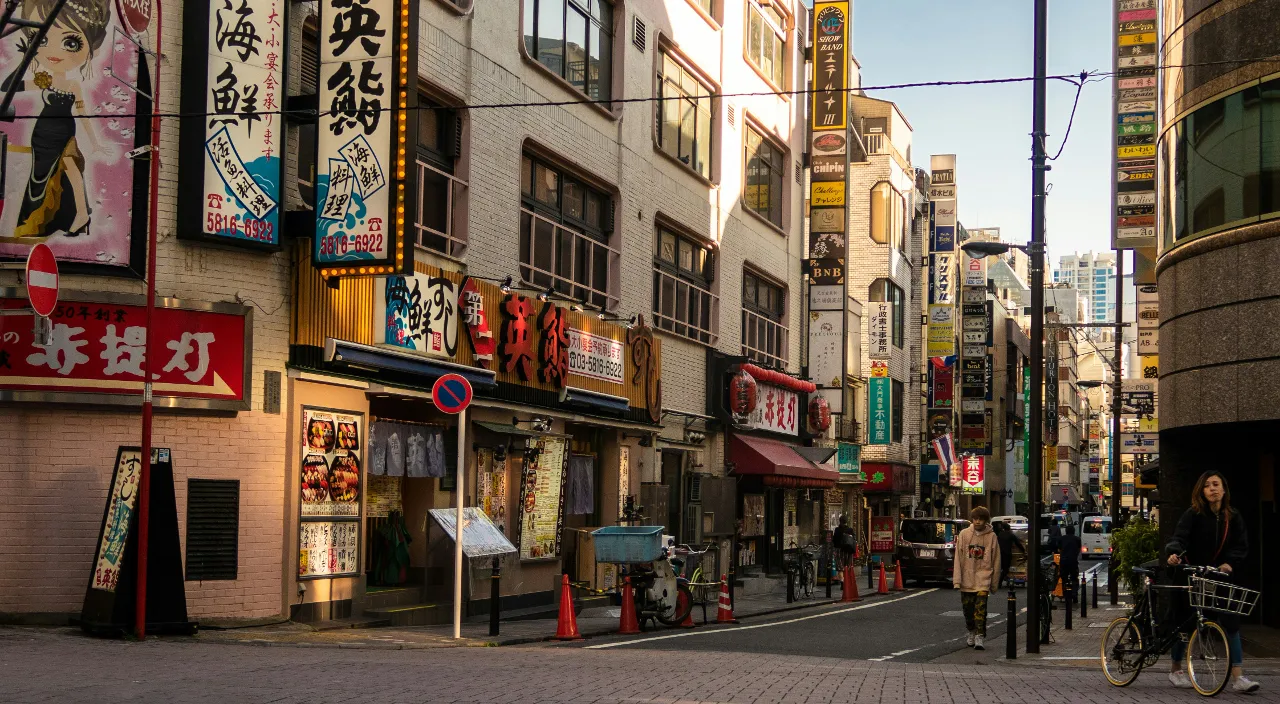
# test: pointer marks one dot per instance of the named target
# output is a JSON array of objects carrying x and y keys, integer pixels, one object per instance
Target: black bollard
[
  {"x": 1011, "y": 634},
  {"x": 831, "y": 573},
  {"x": 1084, "y": 598},
  {"x": 495, "y": 602},
  {"x": 791, "y": 586},
  {"x": 1095, "y": 590},
  {"x": 1111, "y": 579},
  {"x": 871, "y": 578},
  {"x": 1067, "y": 593}
]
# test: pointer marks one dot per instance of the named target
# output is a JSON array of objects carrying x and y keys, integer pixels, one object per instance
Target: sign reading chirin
[
  {"x": 232, "y": 135},
  {"x": 365, "y": 188}
]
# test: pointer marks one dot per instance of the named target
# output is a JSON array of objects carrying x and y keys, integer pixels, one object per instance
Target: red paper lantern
[
  {"x": 819, "y": 414},
  {"x": 742, "y": 394}
]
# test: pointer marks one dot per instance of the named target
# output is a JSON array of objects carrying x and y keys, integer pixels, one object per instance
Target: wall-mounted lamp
[
  {"x": 694, "y": 437},
  {"x": 507, "y": 283},
  {"x": 538, "y": 424}
]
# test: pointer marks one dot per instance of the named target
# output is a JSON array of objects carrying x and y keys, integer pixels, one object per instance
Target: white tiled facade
[{"x": 1093, "y": 276}]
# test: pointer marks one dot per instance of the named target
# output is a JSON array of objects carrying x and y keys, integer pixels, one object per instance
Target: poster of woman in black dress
[{"x": 55, "y": 198}]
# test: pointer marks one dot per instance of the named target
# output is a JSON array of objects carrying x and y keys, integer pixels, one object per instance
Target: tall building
[
  {"x": 1219, "y": 232},
  {"x": 1093, "y": 275}
]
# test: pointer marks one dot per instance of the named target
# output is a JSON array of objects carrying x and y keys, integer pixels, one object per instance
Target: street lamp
[{"x": 1035, "y": 453}]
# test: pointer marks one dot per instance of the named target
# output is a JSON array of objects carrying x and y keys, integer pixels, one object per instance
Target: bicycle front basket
[{"x": 1212, "y": 595}]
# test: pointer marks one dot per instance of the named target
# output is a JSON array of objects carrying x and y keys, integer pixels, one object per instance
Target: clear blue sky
[{"x": 987, "y": 127}]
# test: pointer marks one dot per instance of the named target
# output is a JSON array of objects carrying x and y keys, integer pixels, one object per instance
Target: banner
[{"x": 880, "y": 405}]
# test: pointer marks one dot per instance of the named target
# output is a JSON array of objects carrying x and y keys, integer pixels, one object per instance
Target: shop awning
[
  {"x": 507, "y": 429},
  {"x": 816, "y": 455},
  {"x": 777, "y": 463},
  {"x": 379, "y": 358}
]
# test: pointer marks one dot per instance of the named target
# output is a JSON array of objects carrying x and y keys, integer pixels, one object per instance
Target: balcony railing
[
  {"x": 571, "y": 262},
  {"x": 875, "y": 143},
  {"x": 685, "y": 309},
  {"x": 848, "y": 430},
  {"x": 764, "y": 339}
]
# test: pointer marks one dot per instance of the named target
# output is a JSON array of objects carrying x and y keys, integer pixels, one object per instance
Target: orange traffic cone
[
  {"x": 567, "y": 623},
  {"x": 683, "y": 598},
  {"x": 627, "y": 624},
  {"x": 883, "y": 587},
  {"x": 724, "y": 614},
  {"x": 898, "y": 585},
  {"x": 850, "y": 585}
]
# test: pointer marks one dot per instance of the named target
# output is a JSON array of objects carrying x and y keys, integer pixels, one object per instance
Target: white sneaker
[
  {"x": 978, "y": 643},
  {"x": 1180, "y": 679},
  {"x": 1244, "y": 685},
  {"x": 969, "y": 641}
]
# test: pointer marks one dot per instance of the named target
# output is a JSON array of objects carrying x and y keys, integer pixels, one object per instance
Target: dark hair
[
  {"x": 1071, "y": 530},
  {"x": 88, "y": 17},
  {"x": 980, "y": 513},
  {"x": 1197, "y": 494}
]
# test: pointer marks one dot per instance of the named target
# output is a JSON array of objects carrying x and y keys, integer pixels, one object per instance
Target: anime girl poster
[{"x": 69, "y": 182}]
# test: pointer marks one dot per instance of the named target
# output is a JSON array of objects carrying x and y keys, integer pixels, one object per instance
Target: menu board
[
  {"x": 328, "y": 548},
  {"x": 542, "y": 498},
  {"x": 882, "y": 533},
  {"x": 382, "y": 496},
  {"x": 753, "y": 514},
  {"x": 491, "y": 477},
  {"x": 791, "y": 528},
  {"x": 329, "y": 484}
]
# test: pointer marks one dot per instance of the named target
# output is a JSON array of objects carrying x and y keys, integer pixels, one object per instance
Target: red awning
[{"x": 777, "y": 463}]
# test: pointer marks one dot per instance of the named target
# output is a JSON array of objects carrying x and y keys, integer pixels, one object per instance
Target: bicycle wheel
[
  {"x": 1046, "y": 618},
  {"x": 679, "y": 607},
  {"x": 1121, "y": 652},
  {"x": 1208, "y": 659}
]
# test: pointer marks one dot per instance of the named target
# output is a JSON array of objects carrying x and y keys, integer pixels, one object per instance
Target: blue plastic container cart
[{"x": 628, "y": 544}]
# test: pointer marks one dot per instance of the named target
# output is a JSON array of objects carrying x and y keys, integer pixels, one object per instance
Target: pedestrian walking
[
  {"x": 845, "y": 542},
  {"x": 1007, "y": 540},
  {"x": 1213, "y": 534},
  {"x": 976, "y": 572},
  {"x": 1069, "y": 560},
  {"x": 1055, "y": 535}
]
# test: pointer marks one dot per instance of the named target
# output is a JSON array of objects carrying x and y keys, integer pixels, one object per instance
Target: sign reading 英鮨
[
  {"x": 777, "y": 410},
  {"x": 1134, "y": 122},
  {"x": 365, "y": 182},
  {"x": 418, "y": 313},
  {"x": 97, "y": 350},
  {"x": 595, "y": 356},
  {"x": 232, "y": 141},
  {"x": 880, "y": 405}
]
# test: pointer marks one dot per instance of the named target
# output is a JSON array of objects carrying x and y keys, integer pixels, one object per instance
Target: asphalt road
[{"x": 918, "y": 626}]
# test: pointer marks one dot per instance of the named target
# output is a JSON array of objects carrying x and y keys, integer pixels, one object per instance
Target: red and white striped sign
[{"x": 42, "y": 280}]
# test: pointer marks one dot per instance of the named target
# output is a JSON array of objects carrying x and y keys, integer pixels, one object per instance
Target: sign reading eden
[
  {"x": 364, "y": 192},
  {"x": 232, "y": 139}
]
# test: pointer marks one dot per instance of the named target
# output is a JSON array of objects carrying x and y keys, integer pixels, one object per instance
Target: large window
[
  {"x": 767, "y": 40},
  {"x": 887, "y": 209},
  {"x": 574, "y": 39},
  {"x": 885, "y": 291},
  {"x": 1220, "y": 165},
  {"x": 764, "y": 337},
  {"x": 683, "y": 271},
  {"x": 685, "y": 125},
  {"x": 899, "y": 398},
  {"x": 565, "y": 228},
  {"x": 441, "y": 194},
  {"x": 762, "y": 194}
]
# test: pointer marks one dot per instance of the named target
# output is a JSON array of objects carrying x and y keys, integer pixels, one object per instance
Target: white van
[{"x": 1095, "y": 538}]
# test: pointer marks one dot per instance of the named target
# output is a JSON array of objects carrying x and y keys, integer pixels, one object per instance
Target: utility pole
[
  {"x": 1035, "y": 481},
  {"x": 1117, "y": 406}
]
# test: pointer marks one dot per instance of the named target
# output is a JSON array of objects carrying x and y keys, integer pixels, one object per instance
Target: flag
[{"x": 945, "y": 448}]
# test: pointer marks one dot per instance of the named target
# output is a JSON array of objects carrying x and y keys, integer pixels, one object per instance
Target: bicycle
[
  {"x": 704, "y": 591},
  {"x": 1136, "y": 641},
  {"x": 1048, "y": 579},
  {"x": 800, "y": 564}
]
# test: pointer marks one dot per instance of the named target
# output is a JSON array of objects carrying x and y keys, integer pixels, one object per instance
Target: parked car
[
  {"x": 926, "y": 547},
  {"x": 1062, "y": 519},
  {"x": 1013, "y": 521},
  {"x": 1095, "y": 538}
]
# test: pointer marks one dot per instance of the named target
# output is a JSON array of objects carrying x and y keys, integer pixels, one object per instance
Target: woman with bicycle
[{"x": 1212, "y": 534}]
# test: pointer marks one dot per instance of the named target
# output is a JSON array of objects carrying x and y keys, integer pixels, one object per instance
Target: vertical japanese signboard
[
  {"x": 232, "y": 166},
  {"x": 880, "y": 404},
  {"x": 365, "y": 184},
  {"x": 941, "y": 335},
  {"x": 828, "y": 215},
  {"x": 879, "y": 329},
  {"x": 973, "y": 472},
  {"x": 1134, "y": 123}
]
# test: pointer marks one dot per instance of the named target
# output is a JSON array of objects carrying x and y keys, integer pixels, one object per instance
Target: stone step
[
  {"x": 412, "y": 614},
  {"x": 377, "y": 598}
]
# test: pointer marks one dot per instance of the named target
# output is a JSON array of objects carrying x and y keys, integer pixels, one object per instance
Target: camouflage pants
[{"x": 975, "y": 611}]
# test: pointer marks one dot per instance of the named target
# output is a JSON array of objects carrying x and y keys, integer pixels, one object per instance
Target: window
[
  {"x": 762, "y": 194},
  {"x": 683, "y": 270},
  {"x": 574, "y": 39},
  {"x": 565, "y": 228},
  {"x": 684, "y": 116},
  {"x": 898, "y": 399},
  {"x": 308, "y": 85},
  {"x": 885, "y": 291},
  {"x": 441, "y": 194},
  {"x": 887, "y": 208},
  {"x": 764, "y": 337},
  {"x": 767, "y": 41}
]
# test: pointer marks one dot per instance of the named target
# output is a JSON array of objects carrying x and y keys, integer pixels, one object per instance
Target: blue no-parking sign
[{"x": 451, "y": 393}]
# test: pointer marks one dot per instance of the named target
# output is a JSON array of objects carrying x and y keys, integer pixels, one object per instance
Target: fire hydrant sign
[{"x": 97, "y": 349}]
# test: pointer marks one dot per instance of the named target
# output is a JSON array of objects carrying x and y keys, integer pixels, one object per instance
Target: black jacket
[
  {"x": 1007, "y": 540},
  {"x": 1209, "y": 539},
  {"x": 1069, "y": 547},
  {"x": 840, "y": 532}
]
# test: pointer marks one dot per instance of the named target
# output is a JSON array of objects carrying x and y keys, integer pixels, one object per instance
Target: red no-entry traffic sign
[
  {"x": 451, "y": 393},
  {"x": 42, "y": 280}
]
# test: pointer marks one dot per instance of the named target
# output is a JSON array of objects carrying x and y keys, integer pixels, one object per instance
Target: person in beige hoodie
[{"x": 976, "y": 573}]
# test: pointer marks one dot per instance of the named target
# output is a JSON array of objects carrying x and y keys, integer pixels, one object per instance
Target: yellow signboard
[
  {"x": 1150, "y": 366},
  {"x": 1132, "y": 39},
  {"x": 1137, "y": 150},
  {"x": 824, "y": 193}
]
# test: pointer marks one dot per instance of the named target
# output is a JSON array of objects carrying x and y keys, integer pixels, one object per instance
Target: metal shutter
[{"x": 213, "y": 528}]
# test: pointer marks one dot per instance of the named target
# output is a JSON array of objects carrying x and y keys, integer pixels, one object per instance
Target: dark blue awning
[{"x": 352, "y": 353}]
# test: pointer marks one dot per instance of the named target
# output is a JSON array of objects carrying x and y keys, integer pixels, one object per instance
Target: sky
[{"x": 988, "y": 127}]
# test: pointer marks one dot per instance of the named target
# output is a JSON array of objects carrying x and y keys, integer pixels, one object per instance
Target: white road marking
[
  {"x": 717, "y": 631},
  {"x": 1070, "y": 657}
]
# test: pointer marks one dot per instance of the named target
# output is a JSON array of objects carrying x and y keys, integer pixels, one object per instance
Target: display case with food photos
[
  {"x": 542, "y": 498},
  {"x": 329, "y": 488}
]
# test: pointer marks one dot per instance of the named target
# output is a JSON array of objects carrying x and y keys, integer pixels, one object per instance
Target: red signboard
[
  {"x": 97, "y": 349},
  {"x": 882, "y": 534},
  {"x": 943, "y": 388},
  {"x": 972, "y": 474}
]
